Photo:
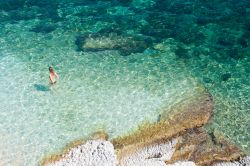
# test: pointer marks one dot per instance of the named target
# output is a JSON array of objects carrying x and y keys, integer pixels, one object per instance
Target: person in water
[{"x": 52, "y": 75}]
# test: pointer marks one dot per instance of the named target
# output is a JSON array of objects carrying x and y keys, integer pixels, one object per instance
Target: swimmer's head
[{"x": 51, "y": 69}]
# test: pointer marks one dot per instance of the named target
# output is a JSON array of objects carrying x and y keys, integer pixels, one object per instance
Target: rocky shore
[
  {"x": 102, "y": 153},
  {"x": 177, "y": 139}
]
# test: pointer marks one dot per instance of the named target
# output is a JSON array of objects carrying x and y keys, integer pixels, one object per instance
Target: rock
[
  {"x": 143, "y": 4},
  {"x": 120, "y": 11},
  {"x": 41, "y": 3},
  {"x": 177, "y": 140},
  {"x": 43, "y": 28},
  {"x": 208, "y": 80},
  {"x": 204, "y": 149},
  {"x": 225, "y": 41},
  {"x": 176, "y": 7},
  {"x": 204, "y": 20},
  {"x": 48, "y": 9},
  {"x": 242, "y": 162},
  {"x": 188, "y": 114},
  {"x": 99, "y": 135},
  {"x": 237, "y": 52},
  {"x": 159, "y": 33},
  {"x": 182, "y": 163},
  {"x": 125, "y": 2},
  {"x": 181, "y": 52},
  {"x": 8, "y": 5},
  {"x": 159, "y": 26},
  {"x": 166, "y": 45},
  {"x": 152, "y": 155},
  {"x": 124, "y": 44},
  {"x": 186, "y": 30},
  {"x": 92, "y": 153},
  {"x": 243, "y": 42}
]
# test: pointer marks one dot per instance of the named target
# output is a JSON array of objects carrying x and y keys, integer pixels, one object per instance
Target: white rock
[
  {"x": 102, "y": 153},
  {"x": 153, "y": 155},
  {"x": 182, "y": 163},
  {"x": 92, "y": 153}
]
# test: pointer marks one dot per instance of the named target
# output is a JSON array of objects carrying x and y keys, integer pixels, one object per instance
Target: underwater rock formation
[
  {"x": 11, "y": 4},
  {"x": 124, "y": 44},
  {"x": 198, "y": 146},
  {"x": 43, "y": 28},
  {"x": 143, "y": 4}
]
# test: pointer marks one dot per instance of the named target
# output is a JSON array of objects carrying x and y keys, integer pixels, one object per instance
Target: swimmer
[{"x": 52, "y": 75}]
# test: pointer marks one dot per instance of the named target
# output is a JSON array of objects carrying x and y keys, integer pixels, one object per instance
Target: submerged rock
[
  {"x": 8, "y": 5},
  {"x": 204, "y": 149},
  {"x": 181, "y": 52},
  {"x": 225, "y": 77},
  {"x": 43, "y": 28},
  {"x": 188, "y": 114},
  {"x": 159, "y": 25},
  {"x": 111, "y": 41},
  {"x": 143, "y": 4}
]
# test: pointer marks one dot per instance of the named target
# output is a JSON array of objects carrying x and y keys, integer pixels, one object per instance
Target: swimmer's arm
[
  {"x": 50, "y": 79},
  {"x": 56, "y": 75}
]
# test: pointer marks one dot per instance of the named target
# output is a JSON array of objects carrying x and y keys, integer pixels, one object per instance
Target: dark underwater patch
[
  {"x": 226, "y": 76},
  {"x": 40, "y": 87},
  {"x": 41, "y": 3},
  {"x": 204, "y": 20},
  {"x": 238, "y": 52},
  {"x": 181, "y": 52},
  {"x": 8, "y": 5},
  {"x": 43, "y": 28},
  {"x": 24, "y": 14}
]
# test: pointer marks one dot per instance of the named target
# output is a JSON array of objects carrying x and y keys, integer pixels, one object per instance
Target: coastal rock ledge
[
  {"x": 176, "y": 140},
  {"x": 102, "y": 153}
]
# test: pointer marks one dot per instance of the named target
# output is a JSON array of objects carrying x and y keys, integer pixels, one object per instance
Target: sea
[{"x": 121, "y": 63}]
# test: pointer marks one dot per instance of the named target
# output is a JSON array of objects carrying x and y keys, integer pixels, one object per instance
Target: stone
[
  {"x": 124, "y": 44},
  {"x": 143, "y": 4},
  {"x": 43, "y": 28},
  {"x": 152, "y": 155},
  {"x": 8, "y": 5},
  {"x": 204, "y": 20},
  {"x": 204, "y": 149},
  {"x": 245, "y": 161},
  {"x": 189, "y": 114},
  {"x": 92, "y": 153},
  {"x": 182, "y": 163},
  {"x": 181, "y": 52}
]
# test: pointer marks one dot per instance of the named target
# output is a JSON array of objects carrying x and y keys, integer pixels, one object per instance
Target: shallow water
[{"x": 193, "y": 44}]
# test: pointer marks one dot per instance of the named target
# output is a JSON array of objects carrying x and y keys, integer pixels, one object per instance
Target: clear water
[{"x": 195, "y": 43}]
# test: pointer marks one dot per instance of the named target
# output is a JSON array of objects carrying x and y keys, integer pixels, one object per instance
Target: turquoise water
[{"x": 120, "y": 63}]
